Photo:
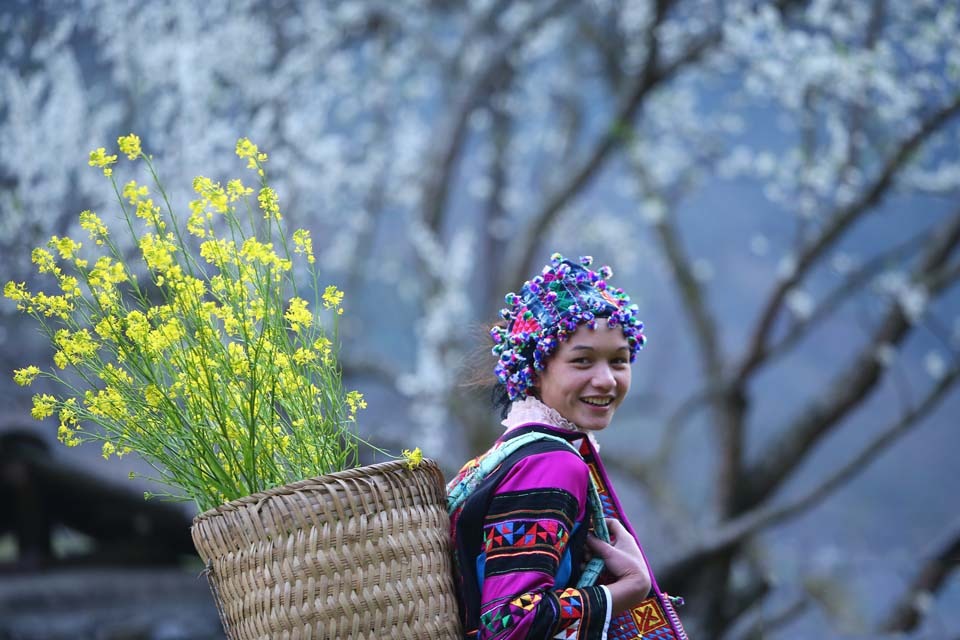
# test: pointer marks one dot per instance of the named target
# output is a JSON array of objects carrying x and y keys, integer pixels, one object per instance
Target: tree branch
[
  {"x": 850, "y": 388},
  {"x": 760, "y": 625},
  {"x": 521, "y": 258},
  {"x": 356, "y": 366},
  {"x": 452, "y": 133},
  {"x": 757, "y": 352},
  {"x": 933, "y": 574},
  {"x": 855, "y": 282},
  {"x": 752, "y": 522}
]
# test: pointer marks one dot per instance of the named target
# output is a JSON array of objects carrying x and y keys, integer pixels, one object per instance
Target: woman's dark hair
[
  {"x": 478, "y": 369},
  {"x": 500, "y": 399}
]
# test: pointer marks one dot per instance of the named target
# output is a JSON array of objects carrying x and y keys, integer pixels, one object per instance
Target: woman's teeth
[{"x": 598, "y": 402}]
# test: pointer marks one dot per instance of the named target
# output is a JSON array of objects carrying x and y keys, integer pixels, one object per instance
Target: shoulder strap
[{"x": 461, "y": 487}]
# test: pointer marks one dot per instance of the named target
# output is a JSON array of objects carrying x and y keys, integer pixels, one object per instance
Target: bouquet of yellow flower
[{"x": 205, "y": 358}]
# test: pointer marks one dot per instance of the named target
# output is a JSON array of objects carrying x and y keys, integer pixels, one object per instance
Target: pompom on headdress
[{"x": 549, "y": 309}]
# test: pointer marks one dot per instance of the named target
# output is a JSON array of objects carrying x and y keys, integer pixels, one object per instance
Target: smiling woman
[{"x": 543, "y": 548}]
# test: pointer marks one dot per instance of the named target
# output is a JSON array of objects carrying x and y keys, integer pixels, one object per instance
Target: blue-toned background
[{"x": 774, "y": 183}]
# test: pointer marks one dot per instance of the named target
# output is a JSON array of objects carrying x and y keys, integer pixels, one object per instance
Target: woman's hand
[{"x": 625, "y": 563}]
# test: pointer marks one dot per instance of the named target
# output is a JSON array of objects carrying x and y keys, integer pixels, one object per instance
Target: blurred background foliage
[{"x": 774, "y": 183}]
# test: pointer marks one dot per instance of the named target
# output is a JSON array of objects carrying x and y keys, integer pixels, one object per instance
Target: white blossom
[
  {"x": 787, "y": 267},
  {"x": 885, "y": 354},
  {"x": 759, "y": 244},
  {"x": 703, "y": 270},
  {"x": 934, "y": 364},
  {"x": 842, "y": 262},
  {"x": 653, "y": 210},
  {"x": 800, "y": 303},
  {"x": 913, "y": 300}
]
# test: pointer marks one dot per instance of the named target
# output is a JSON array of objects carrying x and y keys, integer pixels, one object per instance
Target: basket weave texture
[{"x": 358, "y": 554}]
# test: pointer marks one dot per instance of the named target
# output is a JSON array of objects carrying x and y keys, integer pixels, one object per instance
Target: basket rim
[{"x": 293, "y": 487}]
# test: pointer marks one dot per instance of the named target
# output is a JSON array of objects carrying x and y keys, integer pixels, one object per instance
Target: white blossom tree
[{"x": 782, "y": 175}]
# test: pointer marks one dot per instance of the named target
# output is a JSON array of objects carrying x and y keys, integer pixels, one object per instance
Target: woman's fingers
[
  {"x": 621, "y": 538},
  {"x": 597, "y": 546}
]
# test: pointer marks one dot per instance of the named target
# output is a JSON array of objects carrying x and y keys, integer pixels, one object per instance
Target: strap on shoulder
[{"x": 460, "y": 489}]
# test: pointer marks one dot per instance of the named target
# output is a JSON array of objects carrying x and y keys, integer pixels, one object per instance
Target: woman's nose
[{"x": 603, "y": 378}]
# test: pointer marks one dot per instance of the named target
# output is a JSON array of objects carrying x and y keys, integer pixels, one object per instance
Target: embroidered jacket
[{"x": 519, "y": 541}]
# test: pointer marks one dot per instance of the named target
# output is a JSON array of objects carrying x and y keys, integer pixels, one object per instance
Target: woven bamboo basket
[{"x": 359, "y": 554}]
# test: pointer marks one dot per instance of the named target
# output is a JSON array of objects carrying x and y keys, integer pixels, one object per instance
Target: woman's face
[{"x": 588, "y": 376}]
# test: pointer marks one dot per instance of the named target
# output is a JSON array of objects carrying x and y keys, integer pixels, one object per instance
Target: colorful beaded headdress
[{"x": 549, "y": 309}]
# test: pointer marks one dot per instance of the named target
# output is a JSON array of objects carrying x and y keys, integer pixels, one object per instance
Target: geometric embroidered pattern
[
  {"x": 623, "y": 627},
  {"x": 569, "y": 633},
  {"x": 646, "y": 621},
  {"x": 570, "y": 603},
  {"x": 571, "y": 606},
  {"x": 524, "y": 535},
  {"x": 648, "y": 616},
  {"x": 504, "y": 617},
  {"x": 609, "y": 511}
]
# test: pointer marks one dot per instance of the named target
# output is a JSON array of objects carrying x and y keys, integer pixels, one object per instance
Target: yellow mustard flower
[
  {"x": 91, "y": 223},
  {"x": 66, "y": 247},
  {"x": 108, "y": 328},
  {"x": 304, "y": 356},
  {"x": 45, "y": 261},
  {"x": 355, "y": 401},
  {"x": 152, "y": 395},
  {"x": 248, "y": 150},
  {"x": 112, "y": 374},
  {"x": 67, "y": 433},
  {"x": 297, "y": 314},
  {"x": 70, "y": 286},
  {"x": 303, "y": 244},
  {"x": 43, "y": 406},
  {"x": 333, "y": 298},
  {"x": 219, "y": 253},
  {"x": 236, "y": 190},
  {"x": 16, "y": 291},
  {"x": 99, "y": 158},
  {"x": 108, "y": 450},
  {"x": 269, "y": 204},
  {"x": 106, "y": 273},
  {"x": 323, "y": 346},
  {"x": 134, "y": 192},
  {"x": 157, "y": 251},
  {"x": 150, "y": 213},
  {"x": 107, "y": 403},
  {"x": 138, "y": 327},
  {"x": 26, "y": 376},
  {"x": 414, "y": 458},
  {"x": 212, "y": 193},
  {"x": 75, "y": 347},
  {"x": 51, "y": 306},
  {"x": 197, "y": 222},
  {"x": 130, "y": 145}
]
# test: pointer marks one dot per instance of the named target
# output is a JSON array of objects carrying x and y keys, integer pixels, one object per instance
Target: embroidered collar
[{"x": 530, "y": 410}]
